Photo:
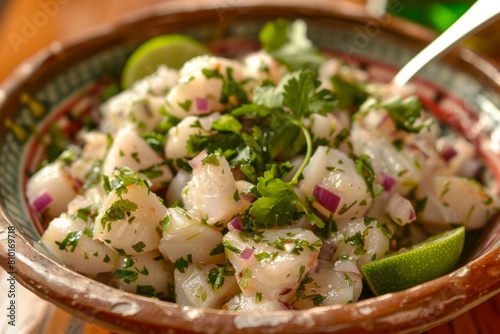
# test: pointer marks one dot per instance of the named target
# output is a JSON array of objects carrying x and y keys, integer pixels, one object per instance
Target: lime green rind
[
  {"x": 171, "y": 50},
  {"x": 425, "y": 261}
]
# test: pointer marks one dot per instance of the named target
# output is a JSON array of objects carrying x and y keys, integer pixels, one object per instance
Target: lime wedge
[
  {"x": 423, "y": 262},
  {"x": 171, "y": 50}
]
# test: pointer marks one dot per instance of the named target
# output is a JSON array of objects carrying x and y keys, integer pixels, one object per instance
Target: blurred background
[{"x": 27, "y": 26}]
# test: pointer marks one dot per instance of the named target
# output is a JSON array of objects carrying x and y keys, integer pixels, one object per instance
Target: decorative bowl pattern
[{"x": 61, "y": 83}]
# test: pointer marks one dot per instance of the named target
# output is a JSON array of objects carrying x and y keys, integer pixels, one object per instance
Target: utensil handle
[{"x": 478, "y": 15}]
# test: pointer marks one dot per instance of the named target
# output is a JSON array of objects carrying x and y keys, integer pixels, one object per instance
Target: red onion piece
[
  {"x": 201, "y": 105},
  {"x": 470, "y": 168},
  {"x": 412, "y": 215},
  {"x": 386, "y": 124},
  {"x": 246, "y": 254},
  {"x": 316, "y": 268},
  {"x": 41, "y": 202},
  {"x": 286, "y": 305},
  {"x": 400, "y": 209},
  {"x": 196, "y": 161},
  {"x": 285, "y": 291},
  {"x": 249, "y": 197},
  {"x": 347, "y": 266},
  {"x": 327, "y": 249},
  {"x": 448, "y": 153},
  {"x": 385, "y": 180},
  {"x": 326, "y": 198},
  {"x": 235, "y": 225}
]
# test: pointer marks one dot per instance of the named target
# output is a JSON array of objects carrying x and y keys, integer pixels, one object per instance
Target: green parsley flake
[{"x": 70, "y": 242}]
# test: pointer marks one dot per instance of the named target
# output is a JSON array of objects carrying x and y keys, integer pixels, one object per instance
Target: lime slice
[
  {"x": 171, "y": 50},
  {"x": 423, "y": 262}
]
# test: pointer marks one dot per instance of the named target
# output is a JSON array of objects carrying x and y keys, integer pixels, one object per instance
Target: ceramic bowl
[{"x": 51, "y": 89}]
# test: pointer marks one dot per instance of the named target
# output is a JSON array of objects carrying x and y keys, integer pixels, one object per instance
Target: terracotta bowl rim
[{"x": 72, "y": 291}]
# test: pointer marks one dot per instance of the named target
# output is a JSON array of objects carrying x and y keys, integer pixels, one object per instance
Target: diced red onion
[
  {"x": 316, "y": 268},
  {"x": 196, "y": 161},
  {"x": 326, "y": 198},
  {"x": 385, "y": 180},
  {"x": 327, "y": 249},
  {"x": 418, "y": 149},
  {"x": 285, "y": 291},
  {"x": 246, "y": 254},
  {"x": 201, "y": 105},
  {"x": 448, "y": 153},
  {"x": 235, "y": 225},
  {"x": 41, "y": 202},
  {"x": 382, "y": 120},
  {"x": 400, "y": 209},
  {"x": 249, "y": 197},
  {"x": 412, "y": 215},
  {"x": 470, "y": 168},
  {"x": 286, "y": 305},
  {"x": 144, "y": 108},
  {"x": 347, "y": 266}
]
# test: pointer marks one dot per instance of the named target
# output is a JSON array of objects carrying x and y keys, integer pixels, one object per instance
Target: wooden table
[{"x": 26, "y": 26}]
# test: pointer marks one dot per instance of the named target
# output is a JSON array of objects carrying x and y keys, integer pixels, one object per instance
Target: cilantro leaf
[
  {"x": 365, "y": 169},
  {"x": 124, "y": 177},
  {"x": 274, "y": 35},
  {"x": 227, "y": 123},
  {"x": 251, "y": 109},
  {"x": 349, "y": 94},
  {"x": 288, "y": 43},
  {"x": 70, "y": 242},
  {"x": 232, "y": 91},
  {"x": 268, "y": 96},
  {"x": 127, "y": 276},
  {"x": 279, "y": 204},
  {"x": 287, "y": 142},
  {"x": 119, "y": 210},
  {"x": 405, "y": 113},
  {"x": 302, "y": 98},
  {"x": 226, "y": 144}
]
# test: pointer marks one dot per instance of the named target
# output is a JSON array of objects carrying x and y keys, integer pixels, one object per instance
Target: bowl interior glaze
[{"x": 60, "y": 83}]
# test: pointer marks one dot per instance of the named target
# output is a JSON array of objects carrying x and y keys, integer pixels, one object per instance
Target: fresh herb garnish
[
  {"x": 279, "y": 205},
  {"x": 70, "y": 242},
  {"x": 288, "y": 43}
]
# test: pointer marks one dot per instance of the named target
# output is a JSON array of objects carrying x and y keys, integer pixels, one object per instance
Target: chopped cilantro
[
  {"x": 119, "y": 210},
  {"x": 358, "y": 242},
  {"x": 124, "y": 177},
  {"x": 186, "y": 105},
  {"x": 83, "y": 214},
  {"x": 245, "y": 275},
  {"x": 70, "y": 242},
  {"x": 211, "y": 159},
  {"x": 215, "y": 277},
  {"x": 230, "y": 247},
  {"x": 349, "y": 93},
  {"x": 288, "y": 43},
  {"x": 227, "y": 123},
  {"x": 139, "y": 247},
  {"x": 265, "y": 257},
  {"x": 181, "y": 264},
  {"x": 146, "y": 290},
  {"x": 127, "y": 276},
  {"x": 135, "y": 156},
  {"x": 365, "y": 169},
  {"x": 405, "y": 113},
  {"x": 219, "y": 249}
]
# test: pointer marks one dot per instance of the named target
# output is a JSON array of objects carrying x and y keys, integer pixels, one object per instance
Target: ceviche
[{"x": 266, "y": 182}]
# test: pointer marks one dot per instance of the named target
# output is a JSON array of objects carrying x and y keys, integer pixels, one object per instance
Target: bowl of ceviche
[{"x": 247, "y": 167}]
